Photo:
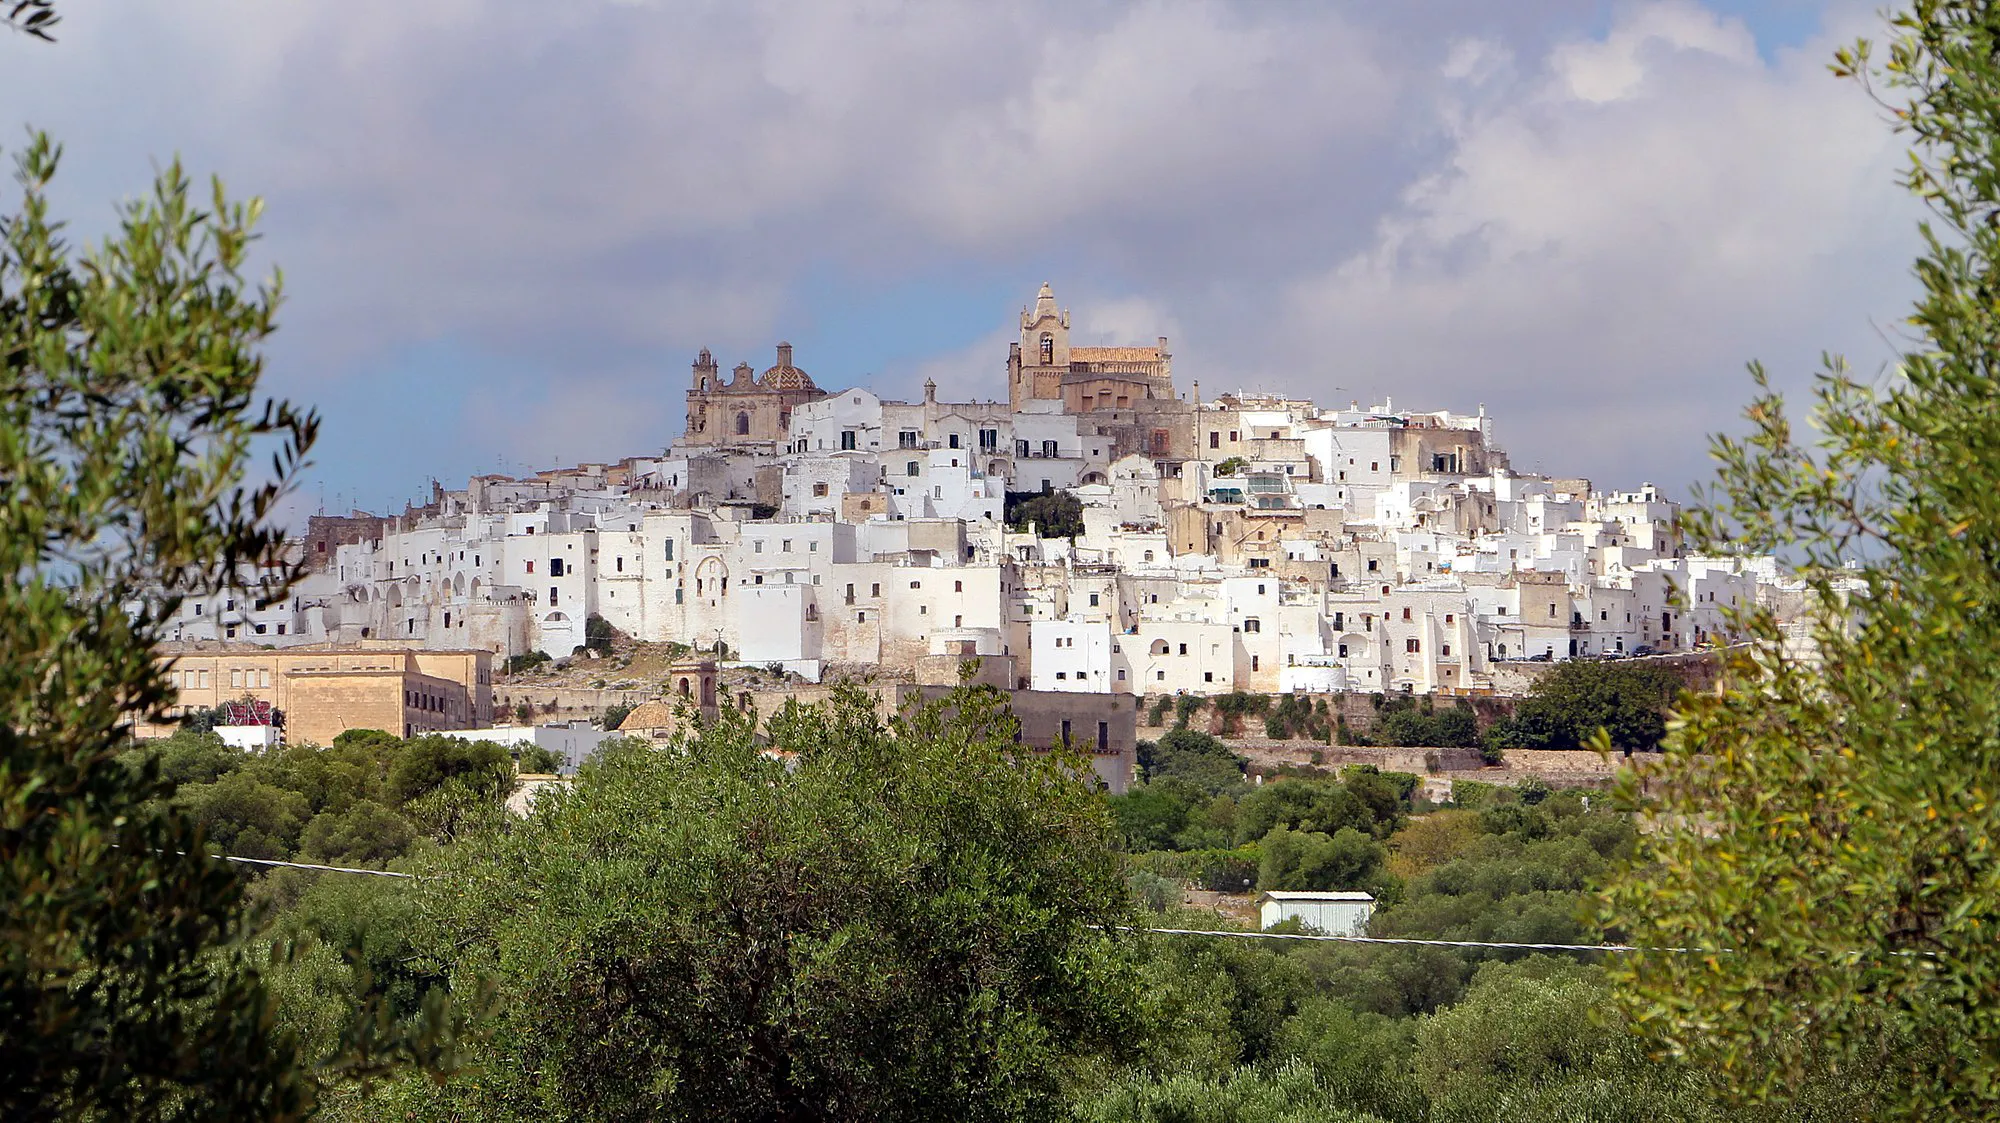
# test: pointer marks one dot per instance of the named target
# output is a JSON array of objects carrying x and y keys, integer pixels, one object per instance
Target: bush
[
  {"x": 1056, "y": 514},
  {"x": 520, "y": 664},
  {"x": 598, "y": 634}
]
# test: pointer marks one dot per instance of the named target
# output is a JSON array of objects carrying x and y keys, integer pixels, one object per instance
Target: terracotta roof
[
  {"x": 647, "y": 716},
  {"x": 1114, "y": 354}
]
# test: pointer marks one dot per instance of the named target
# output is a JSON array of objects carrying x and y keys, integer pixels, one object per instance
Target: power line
[{"x": 314, "y": 866}]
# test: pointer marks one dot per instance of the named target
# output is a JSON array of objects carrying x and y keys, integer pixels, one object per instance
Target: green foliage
[
  {"x": 1408, "y": 721},
  {"x": 1157, "y": 716},
  {"x": 903, "y": 925},
  {"x": 1197, "y": 758},
  {"x": 1295, "y": 715},
  {"x": 536, "y": 759},
  {"x": 598, "y": 634},
  {"x": 1234, "y": 706},
  {"x": 1566, "y": 708},
  {"x": 614, "y": 715},
  {"x": 1292, "y": 1094},
  {"x": 127, "y": 417},
  {"x": 1347, "y": 859},
  {"x": 1830, "y": 821},
  {"x": 1368, "y": 803},
  {"x": 1231, "y": 466},
  {"x": 521, "y": 664},
  {"x": 1185, "y": 707},
  {"x": 1056, "y": 514}
]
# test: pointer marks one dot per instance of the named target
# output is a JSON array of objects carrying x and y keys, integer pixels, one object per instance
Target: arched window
[
  {"x": 742, "y": 424},
  {"x": 1048, "y": 349},
  {"x": 685, "y": 691}
]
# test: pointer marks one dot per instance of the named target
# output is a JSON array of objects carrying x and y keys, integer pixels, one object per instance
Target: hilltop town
[{"x": 1101, "y": 532}]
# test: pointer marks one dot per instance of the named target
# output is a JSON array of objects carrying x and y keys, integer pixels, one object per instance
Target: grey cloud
[{"x": 1302, "y": 196}]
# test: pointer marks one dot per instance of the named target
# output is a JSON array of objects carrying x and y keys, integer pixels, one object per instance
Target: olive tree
[
  {"x": 1825, "y": 820},
  {"x": 906, "y": 920},
  {"x": 128, "y": 414}
]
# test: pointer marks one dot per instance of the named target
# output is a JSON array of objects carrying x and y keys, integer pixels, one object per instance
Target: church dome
[{"x": 785, "y": 376}]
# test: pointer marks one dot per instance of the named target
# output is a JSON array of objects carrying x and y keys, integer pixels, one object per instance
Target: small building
[
  {"x": 1336, "y": 913},
  {"x": 249, "y": 738},
  {"x": 573, "y": 741}
]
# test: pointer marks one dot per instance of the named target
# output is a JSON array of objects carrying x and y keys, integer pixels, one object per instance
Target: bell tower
[{"x": 1035, "y": 365}]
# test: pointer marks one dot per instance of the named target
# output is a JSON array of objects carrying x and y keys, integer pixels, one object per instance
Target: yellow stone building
[{"x": 327, "y": 690}]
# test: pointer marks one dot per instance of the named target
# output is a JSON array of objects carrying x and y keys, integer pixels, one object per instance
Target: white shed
[
  {"x": 1334, "y": 913},
  {"x": 249, "y": 738}
]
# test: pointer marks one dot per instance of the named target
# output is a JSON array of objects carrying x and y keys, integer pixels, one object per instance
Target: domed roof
[{"x": 785, "y": 376}]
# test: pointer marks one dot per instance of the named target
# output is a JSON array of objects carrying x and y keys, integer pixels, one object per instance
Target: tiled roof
[
  {"x": 1114, "y": 354},
  {"x": 648, "y": 716}
]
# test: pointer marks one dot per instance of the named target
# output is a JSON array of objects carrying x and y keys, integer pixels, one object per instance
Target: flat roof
[{"x": 1310, "y": 895}]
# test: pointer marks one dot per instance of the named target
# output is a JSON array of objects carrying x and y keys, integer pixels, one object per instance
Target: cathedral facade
[{"x": 747, "y": 408}]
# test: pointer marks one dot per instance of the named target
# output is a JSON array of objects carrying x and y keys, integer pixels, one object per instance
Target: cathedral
[{"x": 749, "y": 408}]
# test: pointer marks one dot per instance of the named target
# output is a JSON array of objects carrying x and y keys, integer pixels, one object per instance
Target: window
[
  {"x": 1253, "y": 625},
  {"x": 1048, "y": 354},
  {"x": 1411, "y": 646},
  {"x": 1444, "y": 651},
  {"x": 875, "y": 590},
  {"x": 785, "y": 545},
  {"x": 847, "y": 440},
  {"x": 552, "y": 596},
  {"x": 1343, "y": 651},
  {"x": 1447, "y": 617},
  {"x": 1406, "y": 613},
  {"x": 1184, "y": 649},
  {"x": 1260, "y": 590},
  {"x": 670, "y": 549},
  {"x": 958, "y": 586},
  {"x": 819, "y": 491},
  {"x": 989, "y": 440},
  {"x": 1214, "y": 439},
  {"x": 742, "y": 424},
  {"x": 1374, "y": 465},
  {"x": 1253, "y": 662},
  {"x": 619, "y": 563},
  {"x": 1048, "y": 449},
  {"x": 1208, "y": 676},
  {"x": 910, "y": 469},
  {"x": 1159, "y": 676},
  {"x": 861, "y": 618},
  {"x": 757, "y": 547},
  {"x": 1104, "y": 731},
  {"x": 1552, "y": 612},
  {"x": 1372, "y": 565},
  {"x": 259, "y": 629},
  {"x": 906, "y": 439},
  {"x": 235, "y": 677},
  {"x": 952, "y": 440},
  {"x": 1061, "y": 675},
  {"x": 916, "y": 584}
]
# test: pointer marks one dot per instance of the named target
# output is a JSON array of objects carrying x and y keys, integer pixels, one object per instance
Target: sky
[{"x": 507, "y": 227}]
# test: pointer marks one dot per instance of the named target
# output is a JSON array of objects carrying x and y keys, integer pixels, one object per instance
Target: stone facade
[
  {"x": 326, "y": 690},
  {"x": 746, "y": 408}
]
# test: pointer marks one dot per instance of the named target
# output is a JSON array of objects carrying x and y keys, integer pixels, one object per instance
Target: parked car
[{"x": 1644, "y": 649}]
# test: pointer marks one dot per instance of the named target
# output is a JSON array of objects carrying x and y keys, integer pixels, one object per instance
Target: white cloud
[
  {"x": 1392, "y": 198},
  {"x": 1603, "y": 247}
]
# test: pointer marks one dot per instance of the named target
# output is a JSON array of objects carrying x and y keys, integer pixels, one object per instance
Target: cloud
[
  {"x": 1609, "y": 238},
  {"x": 552, "y": 206}
]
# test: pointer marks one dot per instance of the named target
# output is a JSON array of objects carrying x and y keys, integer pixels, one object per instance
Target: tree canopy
[
  {"x": 1827, "y": 815},
  {"x": 127, "y": 416},
  {"x": 904, "y": 921}
]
